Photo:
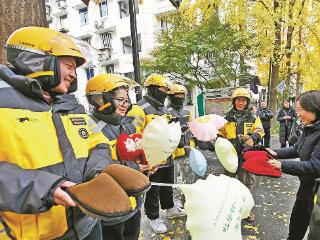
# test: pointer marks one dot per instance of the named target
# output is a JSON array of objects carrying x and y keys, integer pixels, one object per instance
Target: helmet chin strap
[
  {"x": 39, "y": 74},
  {"x": 104, "y": 106}
]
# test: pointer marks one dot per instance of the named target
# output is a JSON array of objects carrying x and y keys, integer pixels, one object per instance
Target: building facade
[{"x": 105, "y": 26}]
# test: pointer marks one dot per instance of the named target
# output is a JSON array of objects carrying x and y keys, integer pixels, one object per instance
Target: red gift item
[
  {"x": 129, "y": 147},
  {"x": 256, "y": 162}
]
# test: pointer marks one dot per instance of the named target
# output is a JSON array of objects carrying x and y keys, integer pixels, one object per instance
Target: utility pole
[{"x": 134, "y": 42}]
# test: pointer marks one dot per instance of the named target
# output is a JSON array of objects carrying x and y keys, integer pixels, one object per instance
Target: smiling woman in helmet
[
  {"x": 45, "y": 139},
  {"x": 108, "y": 95}
]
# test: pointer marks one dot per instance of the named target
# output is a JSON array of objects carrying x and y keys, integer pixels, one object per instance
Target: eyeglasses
[{"x": 123, "y": 101}]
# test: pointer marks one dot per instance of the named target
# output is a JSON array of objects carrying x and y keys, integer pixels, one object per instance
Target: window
[
  {"x": 164, "y": 25},
  {"x": 89, "y": 72},
  {"x": 127, "y": 46},
  {"x": 124, "y": 8},
  {"x": 106, "y": 39},
  {"x": 62, "y": 22},
  {"x": 110, "y": 68},
  {"x": 103, "y": 8},
  {"x": 84, "y": 16}
]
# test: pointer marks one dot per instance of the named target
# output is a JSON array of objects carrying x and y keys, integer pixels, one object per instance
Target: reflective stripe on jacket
[{"x": 41, "y": 145}]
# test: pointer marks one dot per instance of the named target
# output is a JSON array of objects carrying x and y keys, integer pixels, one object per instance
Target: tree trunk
[
  {"x": 16, "y": 14},
  {"x": 288, "y": 48},
  {"x": 298, "y": 83},
  {"x": 275, "y": 62}
]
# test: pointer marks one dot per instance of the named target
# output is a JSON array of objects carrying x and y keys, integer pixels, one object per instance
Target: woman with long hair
[{"x": 308, "y": 168}]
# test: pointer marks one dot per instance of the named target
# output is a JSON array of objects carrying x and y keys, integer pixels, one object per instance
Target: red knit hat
[
  {"x": 256, "y": 162},
  {"x": 129, "y": 147}
]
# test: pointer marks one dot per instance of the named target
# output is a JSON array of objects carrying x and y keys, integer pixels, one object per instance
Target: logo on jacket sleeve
[
  {"x": 78, "y": 121},
  {"x": 83, "y": 133}
]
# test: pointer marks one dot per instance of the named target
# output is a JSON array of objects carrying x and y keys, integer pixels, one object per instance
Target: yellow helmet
[
  {"x": 43, "y": 46},
  {"x": 241, "y": 92},
  {"x": 178, "y": 88},
  {"x": 44, "y": 41},
  {"x": 105, "y": 83},
  {"x": 158, "y": 80},
  {"x": 99, "y": 91}
]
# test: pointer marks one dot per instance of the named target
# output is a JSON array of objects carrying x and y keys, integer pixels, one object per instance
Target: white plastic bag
[
  {"x": 198, "y": 162},
  {"x": 159, "y": 140},
  {"x": 215, "y": 207},
  {"x": 227, "y": 154}
]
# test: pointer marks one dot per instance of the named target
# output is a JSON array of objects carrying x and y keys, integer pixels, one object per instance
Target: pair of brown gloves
[{"x": 112, "y": 196}]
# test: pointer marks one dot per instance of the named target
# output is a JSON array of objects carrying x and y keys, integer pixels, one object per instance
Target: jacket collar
[
  {"x": 27, "y": 86},
  {"x": 112, "y": 118},
  {"x": 152, "y": 101},
  {"x": 312, "y": 126},
  {"x": 233, "y": 113},
  {"x": 176, "y": 107},
  {"x": 31, "y": 88}
]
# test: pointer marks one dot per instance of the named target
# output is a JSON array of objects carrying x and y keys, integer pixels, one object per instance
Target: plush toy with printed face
[{"x": 129, "y": 148}]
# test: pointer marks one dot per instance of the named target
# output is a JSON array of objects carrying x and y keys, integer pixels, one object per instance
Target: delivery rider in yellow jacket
[
  {"x": 108, "y": 94},
  {"x": 243, "y": 129},
  {"x": 45, "y": 144},
  {"x": 151, "y": 106},
  {"x": 177, "y": 96}
]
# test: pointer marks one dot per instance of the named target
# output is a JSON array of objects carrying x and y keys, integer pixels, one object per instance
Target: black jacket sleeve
[
  {"x": 280, "y": 116},
  {"x": 290, "y": 152},
  {"x": 310, "y": 167},
  {"x": 270, "y": 114},
  {"x": 26, "y": 191}
]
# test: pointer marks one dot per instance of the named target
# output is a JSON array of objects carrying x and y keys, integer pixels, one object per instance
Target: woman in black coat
[
  {"x": 286, "y": 116},
  {"x": 308, "y": 168}
]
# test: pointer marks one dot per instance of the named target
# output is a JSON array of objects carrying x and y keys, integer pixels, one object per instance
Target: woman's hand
[
  {"x": 153, "y": 169},
  {"x": 61, "y": 197},
  {"x": 275, "y": 163},
  {"x": 273, "y": 153},
  {"x": 143, "y": 168}
]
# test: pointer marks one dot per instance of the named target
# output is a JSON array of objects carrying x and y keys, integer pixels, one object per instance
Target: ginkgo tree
[
  {"x": 284, "y": 38},
  {"x": 205, "y": 53}
]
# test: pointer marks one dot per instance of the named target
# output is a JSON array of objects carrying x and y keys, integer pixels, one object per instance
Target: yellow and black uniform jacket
[
  {"x": 186, "y": 138},
  {"x": 41, "y": 146},
  {"x": 145, "y": 111},
  {"x": 242, "y": 122},
  {"x": 112, "y": 126}
]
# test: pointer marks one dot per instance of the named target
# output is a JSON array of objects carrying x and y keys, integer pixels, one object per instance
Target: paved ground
[{"x": 274, "y": 198}]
